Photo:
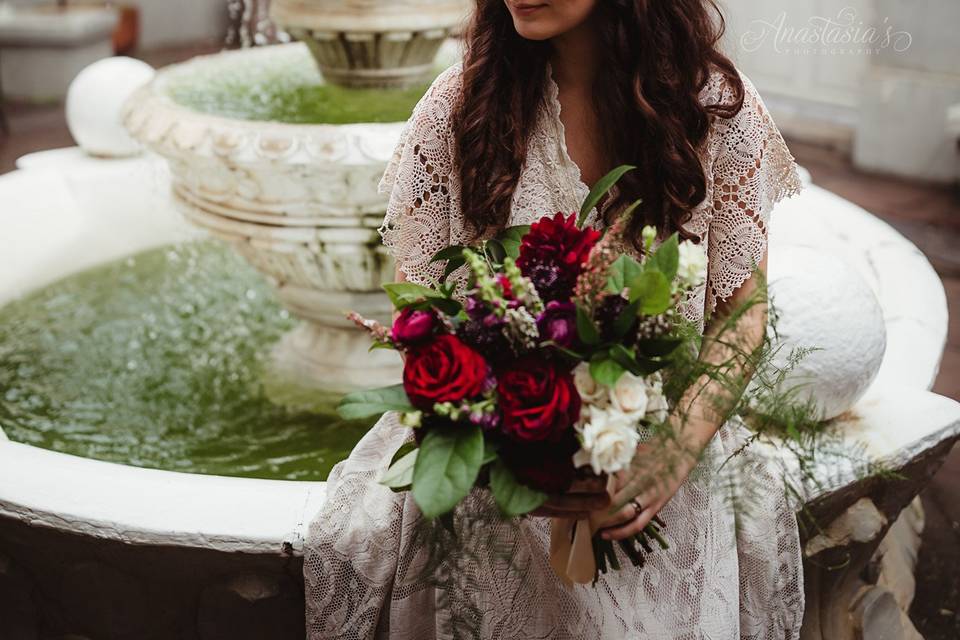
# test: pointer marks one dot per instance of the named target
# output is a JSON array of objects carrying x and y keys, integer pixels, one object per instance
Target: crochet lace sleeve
[
  {"x": 752, "y": 170},
  {"x": 419, "y": 180}
]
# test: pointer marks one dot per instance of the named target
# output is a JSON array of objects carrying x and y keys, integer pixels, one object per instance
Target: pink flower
[{"x": 413, "y": 326}]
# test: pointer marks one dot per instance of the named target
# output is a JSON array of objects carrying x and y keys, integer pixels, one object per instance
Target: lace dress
[{"x": 728, "y": 573}]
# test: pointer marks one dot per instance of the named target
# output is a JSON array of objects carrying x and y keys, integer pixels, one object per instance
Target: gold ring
[{"x": 637, "y": 508}]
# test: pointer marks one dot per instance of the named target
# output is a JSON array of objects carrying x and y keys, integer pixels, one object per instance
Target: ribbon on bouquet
[{"x": 571, "y": 545}]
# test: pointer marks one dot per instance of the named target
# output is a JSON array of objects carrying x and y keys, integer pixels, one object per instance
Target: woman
[{"x": 550, "y": 96}]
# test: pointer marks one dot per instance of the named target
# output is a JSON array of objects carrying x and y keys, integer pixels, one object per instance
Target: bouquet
[{"x": 541, "y": 361}]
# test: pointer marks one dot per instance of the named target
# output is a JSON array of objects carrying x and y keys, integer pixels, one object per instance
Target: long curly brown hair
[{"x": 658, "y": 56}]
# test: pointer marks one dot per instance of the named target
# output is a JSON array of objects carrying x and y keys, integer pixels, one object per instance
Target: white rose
[
  {"x": 657, "y": 407},
  {"x": 591, "y": 391},
  {"x": 693, "y": 264},
  {"x": 609, "y": 441},
  {"x": 629, "y": 396}
]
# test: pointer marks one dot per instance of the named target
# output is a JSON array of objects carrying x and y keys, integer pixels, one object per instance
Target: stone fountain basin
[{"x": 119, "y": 551}]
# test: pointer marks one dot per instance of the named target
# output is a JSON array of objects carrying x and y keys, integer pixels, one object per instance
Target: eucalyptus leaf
[
  {"x": 373, "y": 402},
  {"x": 446, "y": 468},
  {"x": 666, "y": 259},
  {"x": 511, "y": 238},
  {"x": 653, "y": 290},
  {"x": 605, "y": 370},
  {"x": 513, "y": 498},
  {"x": 400, "y": 473},
  {"x": 621, "y": 272},
  {"x": 600, "y": 189}
]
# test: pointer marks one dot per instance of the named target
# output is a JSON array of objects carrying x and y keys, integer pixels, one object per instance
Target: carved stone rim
[
  {"x": 370, "y": 16},
  {"x": 172, "y": 129}
]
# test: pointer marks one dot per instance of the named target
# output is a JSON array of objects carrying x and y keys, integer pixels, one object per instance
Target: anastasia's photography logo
[{"x": 844, "y": 34}]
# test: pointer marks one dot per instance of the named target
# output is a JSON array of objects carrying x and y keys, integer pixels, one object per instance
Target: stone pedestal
[
  {"x": 372, "y": 43},
  {"x": 43, "y": 49}
]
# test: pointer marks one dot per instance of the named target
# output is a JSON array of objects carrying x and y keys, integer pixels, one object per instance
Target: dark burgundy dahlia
[
  {"x": 544, "y": 466},
  {"x": 553, "y": 254},
  {"x": 558, "y": 323}
]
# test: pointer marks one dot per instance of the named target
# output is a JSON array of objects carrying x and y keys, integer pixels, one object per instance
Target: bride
[{"x": 551, "y": 95}]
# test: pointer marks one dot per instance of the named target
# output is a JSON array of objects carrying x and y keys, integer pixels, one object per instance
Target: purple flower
[
  {"x": 413, "y": 326},
  {"x": 558, "y": 323}
]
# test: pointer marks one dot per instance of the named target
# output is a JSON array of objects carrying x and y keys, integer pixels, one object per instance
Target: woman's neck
[{"x": 575, "y": 57}]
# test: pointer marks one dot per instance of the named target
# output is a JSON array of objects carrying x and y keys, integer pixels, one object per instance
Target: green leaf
[
  {"x": 646, "y": 366},
  {"x": 446, "y": 306},
  {"x": 586, "y": 328},
  {"x": 659, "y": 347},
  {"x": 626, "y": 359},
  {"x": 404, "y": 449},
  {"x": 405, "y": 294},
  {"x": 489, "y": 452},
  {"x": 513, "y": 498},
  {"x": 621, "y": 272},
  {"x": 666, "y": 259},
  {"x": 449, "y": 253},
  {"x": 626, "y": 319},
  {"x": 511, "y": 238},
  {"x": 652, "y": 289},
  {"x": 373, "y": 402},
  {"x": 400, "y": 473},
  {"x": 600, "y": 189},
  {"x": 605, "y": 370},
  {"x": 495, "y": 251},
  {"x": 446, "y": 468},
  {"x": 452, "y": 265}
]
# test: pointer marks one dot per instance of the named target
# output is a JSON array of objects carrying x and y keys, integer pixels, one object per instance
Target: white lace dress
[{"x": 727, "y": 574}]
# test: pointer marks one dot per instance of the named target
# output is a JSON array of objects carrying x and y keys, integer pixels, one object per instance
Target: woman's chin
[{"x": 533, "y": 31}]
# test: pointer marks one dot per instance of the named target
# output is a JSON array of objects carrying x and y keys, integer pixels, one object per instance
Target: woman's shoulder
[
  {"x": 440, "y": 98},
  {"x": 722, "y": 89}
]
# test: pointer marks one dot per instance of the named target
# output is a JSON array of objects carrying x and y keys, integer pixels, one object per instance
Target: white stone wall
[{"x": 886, "y": 103}]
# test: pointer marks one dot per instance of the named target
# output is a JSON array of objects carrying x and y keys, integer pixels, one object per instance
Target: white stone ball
[
  {"x": 95, "y": 103},
  {"x": 823, "y": 303}
]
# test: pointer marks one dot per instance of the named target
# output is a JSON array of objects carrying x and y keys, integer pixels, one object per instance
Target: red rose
[
  {"x": 445, "y": 370},
  {"x": 413, "y": 326},
  {"x": 538, "y": 400},
  {"x": 553, "y": 253},
  {"x": 544, "y": 466}
]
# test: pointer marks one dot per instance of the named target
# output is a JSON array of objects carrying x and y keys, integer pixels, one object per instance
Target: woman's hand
[
  {"x": 585, "y": 496},
  {"x": 665, "y": 466}
]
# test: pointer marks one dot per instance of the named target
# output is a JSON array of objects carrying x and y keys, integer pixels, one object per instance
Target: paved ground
[{"x": 928, "y": 215}]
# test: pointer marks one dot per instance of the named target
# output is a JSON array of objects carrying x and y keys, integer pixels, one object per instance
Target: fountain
[
  {"x": 162, "y": 468},
  {"x": 372, "y": 43},
  {"x": 284, "y": 167}
]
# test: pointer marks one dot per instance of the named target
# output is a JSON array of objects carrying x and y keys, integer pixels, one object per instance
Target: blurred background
[{"x": 867, "y": 93}]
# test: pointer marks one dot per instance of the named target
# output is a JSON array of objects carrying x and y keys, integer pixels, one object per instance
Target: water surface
[{"x": 161, "y": 361}]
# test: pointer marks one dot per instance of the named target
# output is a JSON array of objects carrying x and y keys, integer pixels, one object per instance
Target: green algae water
[
  {"x": 160, "y": 361},
  {"x": 284, "y": 87}
]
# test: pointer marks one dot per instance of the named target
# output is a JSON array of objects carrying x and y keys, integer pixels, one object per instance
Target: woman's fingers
[
  {"x": 623, "y": 515},
  {"x": 633, "y": 527}
]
